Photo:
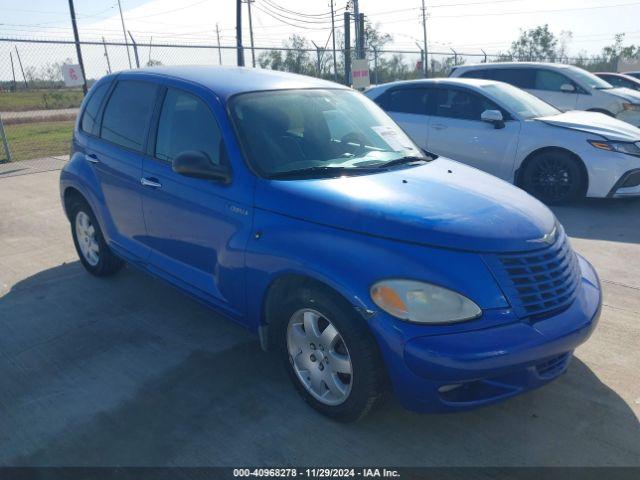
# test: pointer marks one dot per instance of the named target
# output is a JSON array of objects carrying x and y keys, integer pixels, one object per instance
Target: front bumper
[
  {"x": 458, "y": 371},
  {"x": 627, "y": 186}
]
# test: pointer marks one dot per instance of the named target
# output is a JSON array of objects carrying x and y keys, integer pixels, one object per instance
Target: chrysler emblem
[{"x": 549, "y": 238}]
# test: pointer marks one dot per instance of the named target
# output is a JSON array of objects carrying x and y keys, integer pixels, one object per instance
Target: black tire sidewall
[
  {"x": 367, "y": 386},
  {"x": 577, "y": 189},
  {"x": 101, "y": 267}
]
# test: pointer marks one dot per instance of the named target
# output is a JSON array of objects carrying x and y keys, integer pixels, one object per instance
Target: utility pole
[
  {"x": 78, "y": 49},
  {"x": 124, "y": 33},
  {"x": 239, "y": 49},
  {"x": 253, "y": 52},
  {"x": 219, "y": 49},
  {"x": 333, "y": 36},
  {"x": 425, "y": 70},
  {"x": 150, "y": 43},
  {"x": 347, "y": 48},
  {"x": 422, "y": 59},
  {"x": 356, "y": 16},
  {"x": 361, "y": 35},
  {"x": 106, "y": 54}
]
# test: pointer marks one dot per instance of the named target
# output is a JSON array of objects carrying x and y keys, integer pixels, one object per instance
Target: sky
[{"x": 466, "y": 26}]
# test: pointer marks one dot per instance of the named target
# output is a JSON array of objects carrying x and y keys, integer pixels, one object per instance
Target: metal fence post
[
  {"x": 5, "y": 141},
  {"x": 135, "y": 50}
]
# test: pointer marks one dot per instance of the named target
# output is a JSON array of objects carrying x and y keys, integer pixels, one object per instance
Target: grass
[
  {"x": 37, "y": 140},
  {"x": 44, "y": 99}
]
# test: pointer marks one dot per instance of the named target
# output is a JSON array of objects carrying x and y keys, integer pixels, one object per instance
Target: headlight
[
  {"x": 622, "y": 147},
  {"x": 422, "y": 302},
  {"x": 631, "y": 106}
]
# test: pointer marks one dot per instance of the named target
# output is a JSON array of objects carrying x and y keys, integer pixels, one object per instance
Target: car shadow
[
  {"x": 128, "y": 371},
  {"x": 616, "y": 220}
]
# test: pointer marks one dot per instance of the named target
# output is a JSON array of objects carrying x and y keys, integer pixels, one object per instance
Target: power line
[{"x": 292, "y": 12}]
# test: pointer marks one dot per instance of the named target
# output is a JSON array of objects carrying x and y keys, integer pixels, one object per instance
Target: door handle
[
  {"x": 438, "y": 126},
  {"x": 93, "y": 158},
  {"x": 150, "y": 182}
]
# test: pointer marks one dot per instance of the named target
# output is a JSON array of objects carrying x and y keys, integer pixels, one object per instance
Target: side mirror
[
  {"x": 494, "y": 117},
  {"x": 198, "y": 165},
  {"x": 567, "y": 88}
]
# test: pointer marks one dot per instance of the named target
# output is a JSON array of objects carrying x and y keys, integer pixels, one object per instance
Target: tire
[
  {"x": 554, "y": 177},
  {"x": 351, "y": 348},
  {"x": 87, "y": 238}
]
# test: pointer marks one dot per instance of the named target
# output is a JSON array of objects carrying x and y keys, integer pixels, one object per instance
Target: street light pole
[
  {"x": 240, "y": 51},
  {"x": 425, "y": 70},
  {"x": 124, "y": 34}
]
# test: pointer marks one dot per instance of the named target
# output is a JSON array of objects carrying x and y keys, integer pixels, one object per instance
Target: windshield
[
  {"x": 317, "y": 132},
  {"x": 590, "y": 80},
  {"x": 524, "y": 104}
]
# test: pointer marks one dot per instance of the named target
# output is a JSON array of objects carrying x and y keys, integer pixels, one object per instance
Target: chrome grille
[{"x": 539, "y": 282}]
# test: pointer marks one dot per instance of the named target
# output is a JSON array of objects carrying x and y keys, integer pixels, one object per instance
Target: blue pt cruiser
[{"x": 297, "y": 208}]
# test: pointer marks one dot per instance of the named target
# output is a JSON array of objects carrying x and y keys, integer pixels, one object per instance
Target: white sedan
[{"x": 510, "y": 133}]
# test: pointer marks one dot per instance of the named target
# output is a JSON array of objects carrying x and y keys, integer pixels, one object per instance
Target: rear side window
[
  {"x": 90, "y": 114},
  {"x": 518, "y": 77},
  {"x": 550, "y": 80},
  {"x": 475, "y": 74},
  {"x": 187, "y": 123},
  {"x": 408, "y": 100},
  {"x": 128, "y": 113}
]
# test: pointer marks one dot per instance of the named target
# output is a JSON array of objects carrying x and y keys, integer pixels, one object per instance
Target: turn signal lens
[
  {"x": 601, "y": 145},
  {"x": 387, "y": 299}
]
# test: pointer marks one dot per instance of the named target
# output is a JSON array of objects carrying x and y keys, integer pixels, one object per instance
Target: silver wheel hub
[
  {"x": 319, "y": 357},
  {"x": 86, "y": 235}
]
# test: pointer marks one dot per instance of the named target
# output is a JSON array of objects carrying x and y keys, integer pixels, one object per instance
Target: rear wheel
[
  {"x": 554, "y": 177},
  {"x": 330, "y": 355},
  {"x": 95, "y": 255}
]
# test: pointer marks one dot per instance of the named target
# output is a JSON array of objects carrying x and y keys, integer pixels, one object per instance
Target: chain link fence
[{"x": 37, "y": 111}]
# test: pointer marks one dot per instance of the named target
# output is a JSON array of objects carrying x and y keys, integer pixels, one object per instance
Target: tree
[
  {"x": 536, "y": 44},
  {"x": 296, "y": 58}
]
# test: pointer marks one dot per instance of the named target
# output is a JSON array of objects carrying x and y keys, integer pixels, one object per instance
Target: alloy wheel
[
  {"x": 87, "y": 240},
  {"x": 319, "y": 357}
]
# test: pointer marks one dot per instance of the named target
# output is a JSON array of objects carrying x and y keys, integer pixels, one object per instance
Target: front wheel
[
  {"x": 330, "y": 355},
  {"x": 554, "y": 178}
]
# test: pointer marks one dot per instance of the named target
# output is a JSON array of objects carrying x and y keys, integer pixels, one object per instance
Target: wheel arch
[
  {"x": 535, "y": 153},
  {"x": 281, "y": 286},
  {"x": 71, "y": 195}
]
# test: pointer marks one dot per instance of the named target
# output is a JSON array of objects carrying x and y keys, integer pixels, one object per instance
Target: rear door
[
  {"x": 196, "y": 228},
  {"x": 457, "y": 132},
  {"x": 117, "y": 156},
  {"x": 408, "y": 106}
]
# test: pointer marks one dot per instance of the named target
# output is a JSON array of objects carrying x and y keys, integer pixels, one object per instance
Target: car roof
[
  {"x": 514, "y": 65},
  {"x": 228, "y": 81},
  {"x": 450, "y": 81}
]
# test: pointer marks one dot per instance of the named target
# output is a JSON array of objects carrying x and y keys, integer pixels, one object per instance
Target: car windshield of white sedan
[
  {"x": 318, "y": 133},
  {"x": 522, "y": 103}
]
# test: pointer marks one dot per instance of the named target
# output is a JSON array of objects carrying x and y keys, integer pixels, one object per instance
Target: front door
[
  {"x": 457, "y": 132},
  {"x": 196, "y": 228}
]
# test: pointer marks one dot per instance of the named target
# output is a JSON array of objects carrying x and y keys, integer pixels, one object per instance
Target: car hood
[
  {"x": 442, "y": 203},
  {"x": 628, "y": 94},
  {"x": 595, "y": 123}
]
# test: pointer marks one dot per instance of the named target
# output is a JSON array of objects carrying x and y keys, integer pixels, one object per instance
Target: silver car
[{"x": 564, "y": 86}]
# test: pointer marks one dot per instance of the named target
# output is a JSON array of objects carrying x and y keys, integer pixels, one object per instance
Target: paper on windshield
[{"x": 395, "y": 138}]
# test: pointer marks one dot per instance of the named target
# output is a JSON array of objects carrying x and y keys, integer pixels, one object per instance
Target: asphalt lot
[{"x": 129, "y": 371}]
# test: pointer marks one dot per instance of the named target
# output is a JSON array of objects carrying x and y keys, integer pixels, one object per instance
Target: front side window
[
  {"x": 463, "y": 105},
  {"x": 550, "y": 80},
  {"x": 128, "y": 113},
  {"x": 408, "y": 100},
  {"x": 186, "y": 124},
  {"x": 90, "y": 114},
  {"x": 315, "y": 131},
  {"x": 588, "y": 79}
]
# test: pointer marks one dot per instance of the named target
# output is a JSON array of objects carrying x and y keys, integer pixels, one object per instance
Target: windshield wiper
[
  {"x": 320, "y": 171},
  {"x": 408, "y": 160}
]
